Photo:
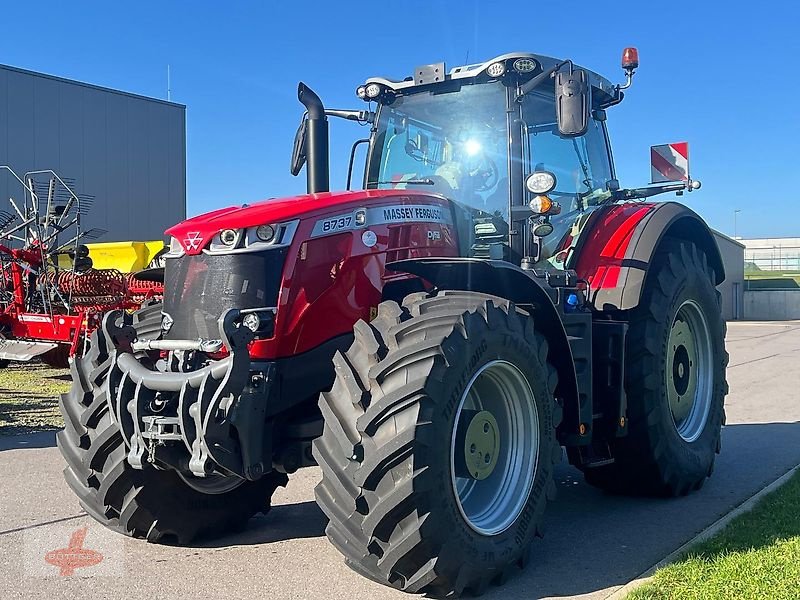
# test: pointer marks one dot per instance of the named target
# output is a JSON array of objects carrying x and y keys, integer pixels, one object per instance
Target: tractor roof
[{"x": 427, "y": 74}]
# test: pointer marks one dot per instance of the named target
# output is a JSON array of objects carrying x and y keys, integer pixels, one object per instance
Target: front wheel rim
[
  {"x": 689, "y": 371},
  {"x": 490, "y": 502},
  {"x": 212, "y": 484}
]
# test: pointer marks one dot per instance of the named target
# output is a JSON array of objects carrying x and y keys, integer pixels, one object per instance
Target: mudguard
[{"x": 620, "y": 241}]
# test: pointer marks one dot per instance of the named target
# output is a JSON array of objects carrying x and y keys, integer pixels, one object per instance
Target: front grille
[{"x": 198, "y": 289}]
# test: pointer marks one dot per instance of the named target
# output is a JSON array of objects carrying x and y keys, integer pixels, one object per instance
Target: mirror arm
[
  {"x": 362, "y": 116},
  {"x": 531, "y": 85},
  {"x": 654, "y": 190}
]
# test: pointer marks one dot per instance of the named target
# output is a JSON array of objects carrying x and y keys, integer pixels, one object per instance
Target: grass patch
[
  {"x": 756, "y": 556},
  {"x": 29, "y": 397},
  {"x": 788, "y": 278}
]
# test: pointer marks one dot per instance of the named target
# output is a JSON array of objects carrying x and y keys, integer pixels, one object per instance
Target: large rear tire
[
  {"x": 149, "y": 503},
  {"x": 439, "y": 443},
  {"x": 674, "y": 379}
]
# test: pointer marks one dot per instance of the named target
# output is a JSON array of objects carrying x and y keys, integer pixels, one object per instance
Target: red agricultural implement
[{"x": 51, "y": 298}]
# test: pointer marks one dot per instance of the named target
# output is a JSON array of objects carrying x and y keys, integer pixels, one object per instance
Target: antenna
[{"x": 169, "y": 89}]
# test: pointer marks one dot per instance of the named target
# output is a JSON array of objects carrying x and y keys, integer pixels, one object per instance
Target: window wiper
[{"x": 411, "y": 181}]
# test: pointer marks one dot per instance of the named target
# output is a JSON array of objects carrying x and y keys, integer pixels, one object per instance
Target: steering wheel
[{"x": 485, "y": 175}]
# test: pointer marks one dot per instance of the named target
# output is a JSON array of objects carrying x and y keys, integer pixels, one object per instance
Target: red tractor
[{"x": 431, "y": 341}]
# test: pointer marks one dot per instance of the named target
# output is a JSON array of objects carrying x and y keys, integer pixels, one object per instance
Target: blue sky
[{"x": 721, "y": 75}]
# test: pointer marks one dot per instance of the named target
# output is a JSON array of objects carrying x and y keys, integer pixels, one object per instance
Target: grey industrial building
[
  {"x": 732, "y": 289},
  {"x": 127, "y": 151}
]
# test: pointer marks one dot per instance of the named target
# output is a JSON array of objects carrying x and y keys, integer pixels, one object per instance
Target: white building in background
[{"x": 773, "y": 254}]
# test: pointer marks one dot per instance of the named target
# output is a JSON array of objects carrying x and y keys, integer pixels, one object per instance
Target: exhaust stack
[{"x": 316, "y": 145}]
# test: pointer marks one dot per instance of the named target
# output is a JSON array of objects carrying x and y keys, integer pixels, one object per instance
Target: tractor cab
[{"x": 518, "y": 144}]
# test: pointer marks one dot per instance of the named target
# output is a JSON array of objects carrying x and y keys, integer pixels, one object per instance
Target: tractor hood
[{"x": 194, "y": 233}]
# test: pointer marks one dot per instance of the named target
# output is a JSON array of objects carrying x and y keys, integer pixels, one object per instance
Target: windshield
[{"x": 453, "y": 143}]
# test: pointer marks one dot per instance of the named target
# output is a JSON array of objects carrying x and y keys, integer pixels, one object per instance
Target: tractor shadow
[
  {"x": 28, "y": 437},
  {"x": 595, "y": 542},
  {"x": 283, "y": 522}
]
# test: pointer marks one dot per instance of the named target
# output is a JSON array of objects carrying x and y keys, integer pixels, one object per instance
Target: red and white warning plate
[{"x": 669, "y": 162}]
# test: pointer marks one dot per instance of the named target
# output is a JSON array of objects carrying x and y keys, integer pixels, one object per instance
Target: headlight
[
  {"x": 373, "y": 90},
  {"x": 252, "y": 321},
  {"x": 265, "y": 233},
  {"x": 540, "y": 182},
  {"x": 227, "y": 237},
  {"x": 496, "y": 69},
  {"x": 543, "y": 229},
  {"x": 524, "y": 65},
  {"x": 361, "y": 92}
]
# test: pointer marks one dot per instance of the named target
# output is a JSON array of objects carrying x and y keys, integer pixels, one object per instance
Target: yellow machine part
[{"x": 123, "y": 256}]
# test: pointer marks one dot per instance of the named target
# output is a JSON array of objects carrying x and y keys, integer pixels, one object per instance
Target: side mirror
[
  {"x": 299, "y": 149},
  {"x": 573, "y": 102}
]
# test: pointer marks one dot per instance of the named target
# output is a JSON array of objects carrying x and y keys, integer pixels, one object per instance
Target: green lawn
[
  {"x": 782, "y": 277},
  {"x": 29, "y": 397},
  {"x": 757, "y": 556}
]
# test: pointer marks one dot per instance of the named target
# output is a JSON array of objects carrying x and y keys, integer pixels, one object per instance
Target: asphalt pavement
[{"x": 594, "y": 542}]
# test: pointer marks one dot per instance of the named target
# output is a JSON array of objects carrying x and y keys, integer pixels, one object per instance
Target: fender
[
  {"x": 620, "y": 244},
  {"x": 506, "y": 280}
]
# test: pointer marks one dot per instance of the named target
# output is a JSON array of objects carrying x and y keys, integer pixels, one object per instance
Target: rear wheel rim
[
  {"x": 491, "y": 504},
  {"x": 689, "y": 371}
]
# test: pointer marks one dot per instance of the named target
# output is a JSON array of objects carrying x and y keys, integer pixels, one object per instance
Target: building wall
[
  {"x": 772, "y": 305},
  {"x": 128, "y": 151},
  {"x": 732, "y": 289}
]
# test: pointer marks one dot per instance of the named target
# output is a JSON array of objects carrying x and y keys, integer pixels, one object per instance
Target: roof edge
[{"x": 91, "y": 86}]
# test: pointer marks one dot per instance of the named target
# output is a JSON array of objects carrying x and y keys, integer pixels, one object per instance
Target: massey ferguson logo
[{"x": 192, "y": 240}]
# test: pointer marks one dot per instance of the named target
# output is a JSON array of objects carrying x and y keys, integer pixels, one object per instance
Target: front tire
[
  {"x": 439, "y": 443},
  {"x": 674, "y": 378},
  {"x": 148, "y": 503}
]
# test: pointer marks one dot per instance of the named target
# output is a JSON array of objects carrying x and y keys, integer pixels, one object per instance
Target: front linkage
[{"x": 179, "y": 415}]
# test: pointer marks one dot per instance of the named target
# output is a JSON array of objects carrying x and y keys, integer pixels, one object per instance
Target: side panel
[
  {"x": 335, "y": 275},
  {"x": 621, "y": 241}
]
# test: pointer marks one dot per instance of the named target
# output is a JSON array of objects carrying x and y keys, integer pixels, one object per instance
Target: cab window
[{"x": 581, "y": 165}]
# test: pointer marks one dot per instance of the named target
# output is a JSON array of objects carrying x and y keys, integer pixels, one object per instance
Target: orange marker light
[
  {"x": 630, "y": 58},
  {"x": 541, "y": 205}
]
